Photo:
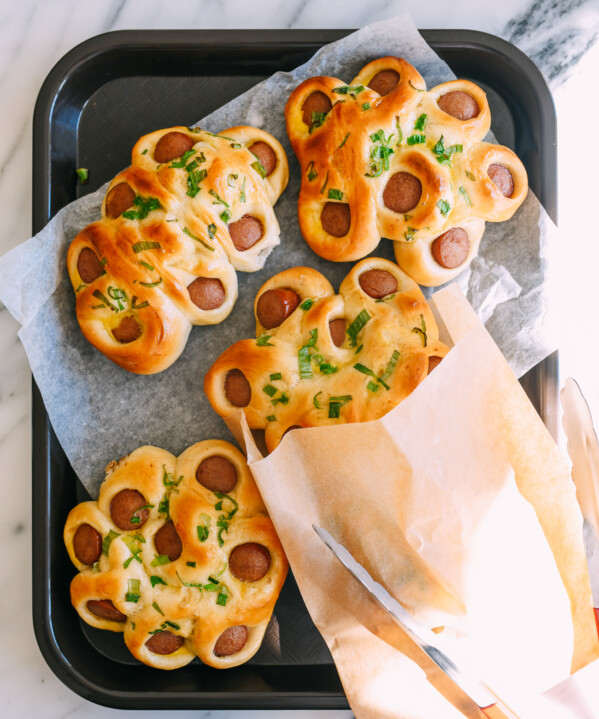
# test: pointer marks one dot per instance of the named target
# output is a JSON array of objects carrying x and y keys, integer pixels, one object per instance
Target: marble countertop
[{"x": 560, "y": 36}]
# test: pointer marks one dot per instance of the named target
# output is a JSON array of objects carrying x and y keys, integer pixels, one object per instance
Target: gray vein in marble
[
  {"x": 555, "y": 34},
  {"x": 15, "y": 148},
  {"x": 113, "y": 18}
]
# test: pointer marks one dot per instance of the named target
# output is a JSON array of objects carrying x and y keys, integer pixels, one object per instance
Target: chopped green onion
[
  {"x": 390, "y": 367},
  {"x": 219, "y": 505},
  {"x": 231, "y": 180},
  {"x": 242, "y": 191},
  {"x": 444, "y": 153},
  {"x": 349, "y": 89},
  {"x": 410, "y": 234},
  {"x": 81, "y": 287},
  {"x": 327, "y": 368},
  {"x": 384, "y": 299},
  {"x": 380, "y": 153},
  {"x": 225, "y": 216},
  {"x": 335, "y": 404},
  {"x": 315, "y": 400},
  {"x": 203, "y": 529},
  {"x": 173, "y": 625},
  {"x": 107, "y": 302},
  {"x": 236, "y": 145},
  {"x": 133, "y": 591},
  {"x": 421, "y": 122},
  {"x": 275, "y": 376},
  {"x": 159, "y": 560},
  {"x": 356, "y": 326},
  {"x": 366, "y": 106},
  {"x": 399, "y": 132},
  {"x": 470, "y": 176},
  {"x": 219, "y": 200},
  {"x": 83, "y": 175},
  {"x": 151, "y": 284},
  {"x": 107, "y": 541},
  {"x": 270, "y": 390},
  {"x": 211, "y": 231},
  {"x": 223, "y": 596},
  {"x": 414, "y": 86},
  {"x": 306, "y": 304},
  {"x": 305, "y": 362},
  {"x": 191, "y": 564},
  {"x": 312, "y": 174},
  {"x": 145, "y": 245},
  {"x": 271, "y": 418},
  {"x": 156, "y": 607},
  {"x": 416, "y": 139},
  {"x": 360, "y": 348},
  {"x": 444, "y": 206},
  {"x": 326, "y": 182},
  {"x": 223, "y": 526},
  {"x": 335, "y": 194},
  {"x": 467, "y": 200},
  {"x": 171, "y": 484},
  {"x": 259, "y": 167},
  {"x": 183, "y": 161},
  {"x": 282, "y": 398},
  {"x": 147, "y": 265},
  {"x": 145, "y": 205},
  {"x": 262, "y": 341},
  {"x": 156, "y": 580},
  {"x": 372, "y": 386},
  {"x": 317, "y": 119},
  {"x": 189, "y": 233},
  {"x": 344, "y": 140},
  {"x": 145, "y": 152},
  {"x": 195, "y": 585}
]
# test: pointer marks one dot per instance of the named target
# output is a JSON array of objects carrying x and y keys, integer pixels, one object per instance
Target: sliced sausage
[
  {"x": 459, "y": 104},
  {"x": 246, "y": 232},
  {"x": 237, "y": 388},
  {"x": 207, "y": 293},
  {"x": 249, "y": 562},
  {"x": 217, "y": 474},
  {"x": 164, "y": 643},
  {"x": 167, "y": 541},
  {"x": 335, "y": 218},
  {"x": 502, "y": 177},
  {"x": 171, "y": 146},
  {"x": 384, "y": 81},
  {"x": 275, "y": 306},
  {"x": 124, "y": 507},
  {"x": 337, "y": 330},
  {"x": 451, "y": 248},
  {"x": 87, "y": 544},
  {"x": 267, "y": 156},
  {"x": 316, "y": 102},
  {"x": 127, "y": 331},
  {"x": 402, "y": 193},
  {"x": 231, "y": 641},
  {"x": 119, "y": 199},
  {"x": 378, "y": 283},
  {"x": 105, "y": 609},
  {"x": 89, "y": 266},
  {"x": 433, "y": 362}
]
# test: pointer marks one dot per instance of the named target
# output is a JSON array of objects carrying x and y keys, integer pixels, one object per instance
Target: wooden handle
[{"x": 499, "y": 711}]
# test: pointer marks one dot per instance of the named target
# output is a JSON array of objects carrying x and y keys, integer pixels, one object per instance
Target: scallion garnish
[
  {"x": 96, "y": 567},
  {"x": 372, "y": 386},
  {"x": 356, "y": 326},
  {"x": 312, "y": 174},
  {"x": 259, "y": 167},
  {"x": 410, "y": 234},
  {"x": 147, "y": 265},
  {"x": 421, "y": 330},
  {"x": 189, "y": 233},
  {"x": 262, "y": 341},
  {"x": 179, "y": 164},
  {"x": 271, "y": 418},
  {"x": 416, "y": 139},
  {"x": 81, "y": 287},
  {"x": 282, "y": 398},
  {"x": 107, "y": 302},
  {"x": 366, "y": 106},
  {"x": 156, "y": 607},
  {"x": 464, "y": 194},
  {"x": 327, "y": 368},
  {"x": 390, "y": 367},
  {"x": 335, "y": 194},
  {"x": 470, "y": 176},
  {"x": 219, "y": 505},
  {"x": 144, "y": 205},
  {"x": 107, "y": 541},
  {"x": 326, "y": 182},
  {"x": 191, "y": 564},
  {"x": 203, "y": 529},
  {"x": 274, "y": 377},
  {"x": 315, "y": 400},
  {"x": 384, "y": 299},
  {"x": 317, "y": 119},
  {"x": 194, "y": 177},
  {"x": 159, "y": 560},
  {"x": 236, "y": 145},
  {"x": 151, "y": 284},
  {"x": 305, "y": 362},
  {"x": 306, "y": 304},
  {"x": 145, "y": 152},
  {"x": 414, "y": 86},
  {"x": 133, "y": 591},
  {"x": 335, "y": 404},
  {"x": 211, "y": 230},
  {"x": 270, "y": 390},
  {"x": 360, "y": 348},
  {"x": 344, "y": 140},
  {"x": 156, "y": 580},
  {"x": 231, "y": 180},
  {"x": 444, "y": 206},
  {"x": 352, "y": 90},
  {"x": 83, "y": 175},
  {"x": 195, "y": 585},
  {"x": 242, "y": 191},
  {"x": 219, "y": 200},
  {"x": 145, "y": 245},
  {"x": 223, "y": 526},
  {"x": 380, "y": 153},
  {"x": 171, "y": 485},
  {"x": 443, "y": 154},
  {"x": 421, "y": 122}
]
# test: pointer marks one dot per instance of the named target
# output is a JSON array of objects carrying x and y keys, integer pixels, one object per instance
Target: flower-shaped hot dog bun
[
  {"x": 192, "y": 208},
  {"x": 321, "y": 358},
  {"x": 383, "y": 157},
  {"x": 179, "y": 554}
]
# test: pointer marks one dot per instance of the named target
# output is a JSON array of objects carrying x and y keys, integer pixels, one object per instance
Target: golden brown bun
[
  {"x": 401, "y": 322},
  {"x": 337, "y": 155},
  {"x": 190, "y": 239},
  {"x": 189, "y": 612}
]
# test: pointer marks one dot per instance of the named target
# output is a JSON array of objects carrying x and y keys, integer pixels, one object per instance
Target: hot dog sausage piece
[
  {"x": 384, "y": 81},
  {"x": 451, "y": 248},
  {"x": 275, "y": 306},
  {"x": 207, "y": 293},
  {"x": 335, "y": 218},
  {"x": 433, "y": 362},
  {"x": 337, "y": 330},
  {"x": 245, "y": 232},
  {"x": 249, "y": 562},
  {"x": 119, "y": 199},
  {"x": 237, "y": 388},
  {"x": 459, "y": 104},
  {"x": 164, "y": 643},
  {"x": 128, "y": 330},
  {"x": 265, "y": 154},
  {"x": 231, "y": 641},
  {"x": 89, "y": 266},
  {"x": 171, "y": 146},
  {"x": 217, "y": 474},
  {"x": 105, "y": 609},
  {"x": 87, "y": 544},
  {"x": 402, "y": 193},
  {"x": 167, "y": 541},
  {"x": 378, "y": 283},
  {"x": 316, "y": 102},
  {"x": 502, "y": 177},
  {"x": 126, "y": 506}
]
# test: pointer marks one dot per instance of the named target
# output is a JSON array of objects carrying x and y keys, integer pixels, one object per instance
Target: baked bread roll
[
  {"x": 383, "y": 157},
  {"x": 321, "y": 358},
  {"x": 192, "y": 208},
  {"x": 179, "y": 554}
]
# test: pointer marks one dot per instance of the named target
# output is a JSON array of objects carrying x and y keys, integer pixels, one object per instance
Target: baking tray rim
[{"x": 71, "y": 68}]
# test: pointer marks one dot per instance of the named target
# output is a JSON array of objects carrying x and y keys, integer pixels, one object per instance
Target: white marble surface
[{"x": 559, "y": 34}]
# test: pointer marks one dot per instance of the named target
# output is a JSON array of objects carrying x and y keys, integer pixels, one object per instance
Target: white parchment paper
[{"x": 101, "y": 412}]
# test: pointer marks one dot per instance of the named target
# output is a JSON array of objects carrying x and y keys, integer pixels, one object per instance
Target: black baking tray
[{"x": 152, "y": 79}]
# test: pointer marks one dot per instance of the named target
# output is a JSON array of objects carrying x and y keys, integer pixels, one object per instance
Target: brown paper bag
[{"x": 460, "y": 503}]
